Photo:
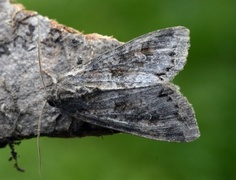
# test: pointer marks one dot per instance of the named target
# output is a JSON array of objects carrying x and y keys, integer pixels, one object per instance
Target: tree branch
[{"x": 21, "y": 91}]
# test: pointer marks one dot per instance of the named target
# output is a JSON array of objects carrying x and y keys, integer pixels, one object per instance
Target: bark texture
[{"x": 21, "y": 90}]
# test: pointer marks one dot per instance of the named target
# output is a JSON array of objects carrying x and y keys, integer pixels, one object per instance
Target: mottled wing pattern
[
  {"x": 159, "y": 112},
  {"x": 150, "y": 59},
  {"x": 127, "y": 89}
]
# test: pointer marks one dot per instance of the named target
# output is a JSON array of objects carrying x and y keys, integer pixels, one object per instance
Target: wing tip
[
  {"x": 177, "y": 30},
  {"x": 181, "y": 29},
  {"x": 194, "y": 134}
]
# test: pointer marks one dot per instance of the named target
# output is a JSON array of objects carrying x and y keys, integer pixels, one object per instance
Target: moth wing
[
  {"x": 158, "y": 112},
  {"x": 150, "y": 59}
]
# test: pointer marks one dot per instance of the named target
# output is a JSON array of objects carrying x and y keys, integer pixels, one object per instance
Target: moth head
[
  {"x": 70, "y": 100},
  {"x": 57, "y": 95}
]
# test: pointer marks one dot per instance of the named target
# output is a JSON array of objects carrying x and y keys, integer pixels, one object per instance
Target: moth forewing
[{"x": 150, "y": 59}]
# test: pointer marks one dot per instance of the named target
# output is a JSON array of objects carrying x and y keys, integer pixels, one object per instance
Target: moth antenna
[
  {"x": 38, "y": 138},
  {"x": 44, "y": 103},
  {"x": 39, "y": 54}
]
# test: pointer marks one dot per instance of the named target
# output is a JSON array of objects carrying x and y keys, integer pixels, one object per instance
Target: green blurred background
[{"x": 208, "y": 81}]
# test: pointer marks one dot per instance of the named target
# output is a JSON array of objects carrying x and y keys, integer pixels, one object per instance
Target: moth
[{"x": 129, "y": 88}]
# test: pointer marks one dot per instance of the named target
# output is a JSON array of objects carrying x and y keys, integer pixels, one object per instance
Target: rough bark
[{"x": 21, "y": 90}]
